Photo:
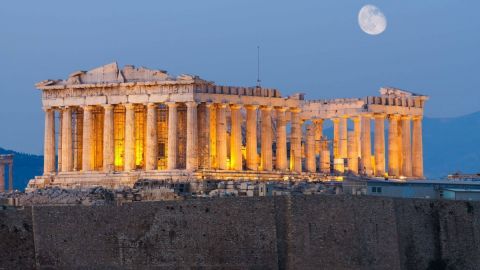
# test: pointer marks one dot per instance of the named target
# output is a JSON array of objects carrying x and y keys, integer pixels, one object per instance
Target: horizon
[{"x": 305, "y": 47}]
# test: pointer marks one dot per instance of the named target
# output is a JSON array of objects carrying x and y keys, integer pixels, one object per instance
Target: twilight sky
[{"x": 429, "y": 46}]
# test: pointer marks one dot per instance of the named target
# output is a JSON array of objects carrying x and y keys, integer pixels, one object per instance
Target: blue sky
[{"x": 316, "y": 47}]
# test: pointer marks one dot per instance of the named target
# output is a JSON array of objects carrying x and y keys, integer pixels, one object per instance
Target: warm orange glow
[{"x": 374, "y": 167}]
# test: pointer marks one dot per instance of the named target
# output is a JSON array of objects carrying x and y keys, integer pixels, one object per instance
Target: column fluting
[
  {"x": 266, "y": 146},
  {"x": 108, "y": 140},
  {"x": 236, "y": 138},
  {"x": 67, "y": 149},
  {"x": 281, "y": 144},
  {"x": 393, "y": 162},
  {"x": 172, "y": 136},
  {"x": 417, "y": 148},
  {"x": 252, "y": 156},
  {"x": 151, "y": 150},
  {"x": 87, "y": 151},
  {"x": 192, "y": 136},
  {"x": 407, "y": 146},
  {"x": 49, "y": 142},
  {"x": 379, "y": 144},
  {"x": 222, "y": 137}
]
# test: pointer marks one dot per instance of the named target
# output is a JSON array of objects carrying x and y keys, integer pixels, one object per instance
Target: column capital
[
  {"x": 222, "y": 105},
  {"x": 266, "y": 108},
  {"x": 417, "y": 117},
  {"x": 295, "y": 110},
  {"x": 151, "y": 104},
  {"x": 393, "y": 116},
  {"x": 318, "y": 120},
  {"x": 335, "y": 119},
  {"x": 281, "y": 109},
  {"x": 191, "y": 104},
  {"x": 379, "y": 115},
  {"x": 251, "y": 107},
  {"x": 129, "y": 105},
  {"x": 47, "y": 108},
  {"x": 235, "y": 106},
  {"x": 171, "y": 104},
  {"x": 406, "y": 117},
  {"x": 87, "y": 107},
  {"x": 107, "y": 106}
]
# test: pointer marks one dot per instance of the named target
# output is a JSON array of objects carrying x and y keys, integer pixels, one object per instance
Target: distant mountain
[
  {"x": 450, "y": 145},
  {"x": 25, "y": 167}
]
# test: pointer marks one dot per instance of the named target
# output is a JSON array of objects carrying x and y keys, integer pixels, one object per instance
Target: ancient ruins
[
  {"x": 112, "y": 127},
  {"x": 6, "y": 160}
]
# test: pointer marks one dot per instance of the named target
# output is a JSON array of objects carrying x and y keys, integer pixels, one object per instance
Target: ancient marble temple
[{"x": 112, "y": 127}]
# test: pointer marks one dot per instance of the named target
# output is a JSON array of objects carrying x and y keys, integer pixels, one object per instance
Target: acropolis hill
[{"x": 117, "y": 126}]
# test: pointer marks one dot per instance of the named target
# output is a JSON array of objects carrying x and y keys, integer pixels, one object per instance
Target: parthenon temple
[{"x": 113, "y": 126}]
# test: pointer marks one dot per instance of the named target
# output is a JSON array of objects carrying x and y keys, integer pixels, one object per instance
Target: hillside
[{"x": 25, "y": 167}]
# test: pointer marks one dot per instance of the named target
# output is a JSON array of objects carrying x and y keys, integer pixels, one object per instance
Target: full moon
[{"x": 371, "y": 20}]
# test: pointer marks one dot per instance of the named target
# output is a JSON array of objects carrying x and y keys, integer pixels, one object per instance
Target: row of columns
[
  {"x": 405, "y": 149},
  {"x": 405, "y": 156}
]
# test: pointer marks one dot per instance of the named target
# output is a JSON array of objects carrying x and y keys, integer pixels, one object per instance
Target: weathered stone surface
[{"x": 286, "y": 232}]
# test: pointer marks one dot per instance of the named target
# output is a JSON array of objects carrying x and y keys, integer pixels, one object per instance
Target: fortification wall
[{"x": 299, "y": 232}]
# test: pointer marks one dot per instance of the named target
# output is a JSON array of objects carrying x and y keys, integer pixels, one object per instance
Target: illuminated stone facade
[{"x": 112, "y": 126}]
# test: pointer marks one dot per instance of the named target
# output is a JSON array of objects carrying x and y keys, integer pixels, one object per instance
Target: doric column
[
  {"x": 10, "y": 176},
  {"x": 129, "y": 137},
  {"x": 295, "y": 141},
  {"x": 49, "y": 142},
  {"x": 393, "y": 163},
  {"x": 2, "y": 177},
  {"x": 336, "y": 138},
  {"x": 352, "y": 149},
  {"x": 59, "y": 140},
  {"x": 310, "y": 149},
  {"x": 357, "y": 128},
  {"x": 192, "y": 136},
  {"x": 343, "y": 137},
  {"x": 417, "y": 148},
  {"x": 172, "y": 136},
  {"x": 379, "y": 144},
  {"x": 203, "y": 116},
  {"x": 318, "y": 126},
  {"x": 222, "y": 137},
  {"x": 67, "y": 155},
  {"x": 236, "y": 138},
  {"x": 212, "y": 110},
  {"x": 108, "y": 141},
  {"x": 252, "y": 159},
  {"x": 281, "y": 151},
  {"x": 77, "y": 145},
  {"x": 366, "y": 148},
  {"x": 87, "y": 151},
  {"x": 407, "y": 147},
  {"x": 151, "y": 149},
  {"x": 266, "y": 147}
]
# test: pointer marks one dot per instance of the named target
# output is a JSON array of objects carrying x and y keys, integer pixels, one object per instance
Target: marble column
[
  {"x": 59, "y": 140},
  {"x": 10, "y": 176},
  {"x": 77, "y": 148},
  {"x": 67, "y": 149},
  {"x": 366, "y": 148},
  {"x": 281, "y": 151},
  {"x": 336, "y": 138},
  {"x": 129, "y": 137},
  {"x": 393, "y": 162},
  {"x": 108, "y": 141},
  {"x": 236, "y": 138},
  {"x": 318, "y": 126},
  {"x": 252, "y": 159},
  {"x": 151, "y": 144},
  {"x": 407, "y": 147},
  {"x": 352, "y": 149},
  {"x": 417, "y": 147},
  {"x": 295, "y": 141},
  {"x": 213, "y": 135},
  {"x": 87, "y": 151},
  {"x": 325, "y": 161},
  {"x": 49, "y": 142},
  {"x": 203, "y": 116},
  {"x": 222, "y": 137},
  {"x": 379, "y": 144},
  {"x": 343, "y": 137},
  {"x": 172, "y": 136},
  {"x": 357, "y": 128},
  {"x": 2, "y": 177},
  {"x": 310, "y": 149},
  {"x": 266, "y": 146},
  {"x": 192, "y": 136}
]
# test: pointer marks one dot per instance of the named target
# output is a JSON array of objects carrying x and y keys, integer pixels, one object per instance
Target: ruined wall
[{"x": 300, "y": 232}]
